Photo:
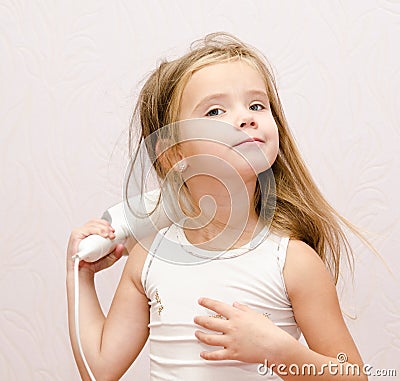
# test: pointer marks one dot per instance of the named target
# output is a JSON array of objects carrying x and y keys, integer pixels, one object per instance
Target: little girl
[{"x": 234, "y": 281}]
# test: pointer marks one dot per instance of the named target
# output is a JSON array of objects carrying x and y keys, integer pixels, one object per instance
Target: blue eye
[
  {"x": 257, "y": 107},
  {"x": 214, "y": 112}
]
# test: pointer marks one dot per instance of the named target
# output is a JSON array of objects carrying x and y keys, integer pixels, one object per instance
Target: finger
[
  {"x": 216, "y": 340},
  {"x": 241, "y": 307},
  {"x": 217, "y": 306},
  {"x": 98, "y": 223},
  {"x": 221, "y": 354},
  {"x": 212, "y": 323},
  {"x": 99, "y": 229},
  {"x": 106, "y": 226}
]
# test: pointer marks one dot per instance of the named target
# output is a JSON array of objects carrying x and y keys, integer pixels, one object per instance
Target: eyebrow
[
  {"x": 257, "y": 93},
  {"x": 217, "y": 96},
  {"x": 208, "y": 99}
]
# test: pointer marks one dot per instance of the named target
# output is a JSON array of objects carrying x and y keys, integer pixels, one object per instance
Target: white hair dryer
[{"x": 126, "y": 224}]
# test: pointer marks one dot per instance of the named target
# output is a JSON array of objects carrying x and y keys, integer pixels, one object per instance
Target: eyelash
[
  {"x": 214, "y": 109},
  {"x": 258, "y": 104},
  {"x": 255, "y": 104}
]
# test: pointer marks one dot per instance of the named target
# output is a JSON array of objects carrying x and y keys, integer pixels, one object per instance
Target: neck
[{"x": 226, "y": 216}]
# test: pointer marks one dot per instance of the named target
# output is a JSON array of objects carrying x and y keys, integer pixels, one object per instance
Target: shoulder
[
  {"x": 304, "y": 270},
  {"x": 136, "y": 260}
]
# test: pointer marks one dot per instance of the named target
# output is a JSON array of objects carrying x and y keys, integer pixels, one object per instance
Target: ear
[
  {"x": 170, "y": 156},
  {"x": 182, "y": 165}
]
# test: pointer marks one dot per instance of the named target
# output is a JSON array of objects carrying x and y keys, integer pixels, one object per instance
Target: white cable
[{"x": 77, "y": 332}]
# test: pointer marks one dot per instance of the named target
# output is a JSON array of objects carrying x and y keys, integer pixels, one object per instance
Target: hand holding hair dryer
[{"x": 126, "y": 224}]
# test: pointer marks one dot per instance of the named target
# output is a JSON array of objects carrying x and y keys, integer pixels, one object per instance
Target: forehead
[{"x": 222, "y": 77}]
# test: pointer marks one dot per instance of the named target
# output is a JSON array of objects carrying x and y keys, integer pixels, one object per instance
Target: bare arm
[
  {"x": 110, "y": 343},
  {"x": 316, "y": 307}
]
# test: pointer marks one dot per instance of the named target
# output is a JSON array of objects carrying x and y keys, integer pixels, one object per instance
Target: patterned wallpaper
[{"x": 69, "y": 74}]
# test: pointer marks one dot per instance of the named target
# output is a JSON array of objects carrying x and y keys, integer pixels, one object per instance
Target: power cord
[{"x": 76, "y": 303}]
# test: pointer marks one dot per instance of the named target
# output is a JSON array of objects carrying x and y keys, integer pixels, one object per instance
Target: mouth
[{"x": 249, "y": 141}]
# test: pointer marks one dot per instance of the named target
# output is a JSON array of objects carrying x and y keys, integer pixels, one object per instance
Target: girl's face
[{"x": 239, "y": 130}]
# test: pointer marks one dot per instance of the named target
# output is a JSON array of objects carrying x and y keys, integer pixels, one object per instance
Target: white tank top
[{"x": 176, "y": 274}]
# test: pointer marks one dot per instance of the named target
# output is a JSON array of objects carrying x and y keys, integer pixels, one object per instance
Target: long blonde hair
[{"x": 301, "y": 211}]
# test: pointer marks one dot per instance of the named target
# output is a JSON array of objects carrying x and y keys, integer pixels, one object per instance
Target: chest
[{"x": 173, "y": 290}]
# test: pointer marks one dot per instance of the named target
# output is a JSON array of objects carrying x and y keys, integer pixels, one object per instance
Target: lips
[{"x": 249, "y": 140}]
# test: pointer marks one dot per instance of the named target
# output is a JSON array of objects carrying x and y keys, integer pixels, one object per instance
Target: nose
[
  {"x": 248, "y": 123},
  {"x": 247, "y": 120}
]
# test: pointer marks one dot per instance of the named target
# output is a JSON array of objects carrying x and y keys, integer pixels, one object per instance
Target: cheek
[
  {"x": 273, "y": 135},
  {"x": 276, "y": 138},
  {"x": 206, "y": 148}
]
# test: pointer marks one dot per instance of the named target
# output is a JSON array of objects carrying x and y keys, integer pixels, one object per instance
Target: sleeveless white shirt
[{"x": 176, "y": 274}]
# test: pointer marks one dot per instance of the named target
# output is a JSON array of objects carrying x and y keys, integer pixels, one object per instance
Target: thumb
[
  {"x": 116, "y": 254},
  {"x": 119, "y": 251},
  {"x": 109, "y": 259}
]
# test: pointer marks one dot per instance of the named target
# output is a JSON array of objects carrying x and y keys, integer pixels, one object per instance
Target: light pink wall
[{"x": 69, "y": 74}]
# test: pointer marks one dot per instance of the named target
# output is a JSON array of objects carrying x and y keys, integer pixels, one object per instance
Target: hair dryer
[{"x": 126, "y": 224}]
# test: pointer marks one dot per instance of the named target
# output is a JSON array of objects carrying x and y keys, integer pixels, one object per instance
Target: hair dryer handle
[{"x": 94, "y": 247}]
